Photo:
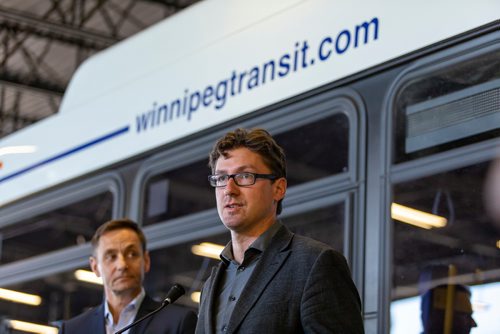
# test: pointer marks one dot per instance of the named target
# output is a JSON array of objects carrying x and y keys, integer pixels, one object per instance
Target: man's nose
[
  {"x": 121, "y": 262},
  {"x": 231, "y": 187}
]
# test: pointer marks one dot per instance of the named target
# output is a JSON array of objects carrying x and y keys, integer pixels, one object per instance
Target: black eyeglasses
[{"x": 241, "y": 179}]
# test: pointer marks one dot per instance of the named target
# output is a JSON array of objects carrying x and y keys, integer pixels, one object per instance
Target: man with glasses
[{"x": 270, "y": 280}]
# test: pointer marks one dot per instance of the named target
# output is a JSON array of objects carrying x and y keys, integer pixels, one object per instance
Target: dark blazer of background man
[
  {"x": 121, "y": 259},
  {"x": 270, "y": 280}
]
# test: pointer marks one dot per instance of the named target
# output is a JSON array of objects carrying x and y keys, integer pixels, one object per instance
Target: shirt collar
[
  {"x": 134, "y": 304},
  {"x": 260, "y": 244}
]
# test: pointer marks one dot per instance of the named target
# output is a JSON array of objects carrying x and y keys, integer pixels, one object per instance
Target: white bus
[{"x": 382, "y": 107}]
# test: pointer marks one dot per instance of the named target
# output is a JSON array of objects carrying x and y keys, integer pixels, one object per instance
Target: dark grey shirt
[{"x": 236, "y": 276}]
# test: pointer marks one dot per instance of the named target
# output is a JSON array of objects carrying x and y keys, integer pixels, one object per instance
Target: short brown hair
[
  {"x": 256, "y": 140},
  {"x": 118, "y": 224}
]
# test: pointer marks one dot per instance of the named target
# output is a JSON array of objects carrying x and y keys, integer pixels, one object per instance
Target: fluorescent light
[
  {"x": 17, "y": 149},
  {"x": 31, "y": 327},
  {"x": 20, "y": 297},
  {"x": 416, "y": 217},
  {"x": 195, "y": 296},
  {"x": 207, "y": 249},
  {"x": 87, "y": 276}
]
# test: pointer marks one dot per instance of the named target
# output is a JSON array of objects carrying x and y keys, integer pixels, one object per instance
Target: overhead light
[
  {"x": 498, "y": 243},
  {"x": 31, "y": 327},
  {"x": 416, "y": 217},
  {"x": 20, "y": 297},
  {"x": 87, "y": 276},
  {"x": 17, "y": 149},
  {"x": 207, "y": 249},
  {"x": 195, "y": 296}
]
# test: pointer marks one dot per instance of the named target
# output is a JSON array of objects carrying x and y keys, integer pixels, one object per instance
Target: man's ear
[
  {"x": 147, "y": 262},
  {"x": 279, "y": 189},
  {"x": 94, "y": 266}
]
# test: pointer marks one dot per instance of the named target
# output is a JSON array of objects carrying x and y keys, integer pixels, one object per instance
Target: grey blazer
[
  {"x": 298, "y": 286},
  {"x": 170, "y": 320}
]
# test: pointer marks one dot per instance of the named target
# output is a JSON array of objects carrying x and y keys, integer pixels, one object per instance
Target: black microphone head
[{"x": 174, "y": 293}]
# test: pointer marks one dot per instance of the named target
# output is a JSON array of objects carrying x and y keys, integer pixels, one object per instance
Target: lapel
[
  {"x": 96, "y": 324},
  {"x": 216, "y": 275},
  {"x": 269, "y": 264},
  {"x": 148, "y": 305}
]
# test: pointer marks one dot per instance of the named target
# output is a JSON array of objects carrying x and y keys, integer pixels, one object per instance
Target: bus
[{"x": 389, "y": 113}]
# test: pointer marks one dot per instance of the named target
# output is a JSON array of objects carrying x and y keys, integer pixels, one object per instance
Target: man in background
[
  {"x": 434, "y": 307},
  {"x": 120, "y": 257},
  {"x": 270, "y": 280}
]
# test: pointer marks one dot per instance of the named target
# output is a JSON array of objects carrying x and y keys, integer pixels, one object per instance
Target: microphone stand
[
  {"x": 143, "y": 318},
  {"x": 175, "y": 292}
]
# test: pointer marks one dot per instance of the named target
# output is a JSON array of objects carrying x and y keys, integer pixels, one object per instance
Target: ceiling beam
[
  {"x": 24, "y": 83},
  {"x": 7, "y": 116},
  {"x": 171, "y": 4},
  {"x": 11, "y": 19}
]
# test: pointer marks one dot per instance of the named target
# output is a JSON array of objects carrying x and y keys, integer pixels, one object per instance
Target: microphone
[{"x": 173, "y": 294}]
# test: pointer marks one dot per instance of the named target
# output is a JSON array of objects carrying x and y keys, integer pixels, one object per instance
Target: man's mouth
[{"x": 122, "y": 278}]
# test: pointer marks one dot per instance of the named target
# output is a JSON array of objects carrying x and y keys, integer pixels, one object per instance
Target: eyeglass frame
[{"x": 256, "y": 176}]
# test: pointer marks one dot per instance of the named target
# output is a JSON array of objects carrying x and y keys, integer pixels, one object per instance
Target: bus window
[
  {"x": 188, "y": 264},
  {"x": 62, "y": 227},
  {"x": 445, "y": 246},
  {"x": 60, "y": 296},
  {"x": 448, "y": 107},
  {"x": 185, "y": 190},
  {"x": 454, "y": 247},
  {"x": 177, "y": 193},
  {"x": 325, "y": 224},
  {"x": 307, "y": 158}
]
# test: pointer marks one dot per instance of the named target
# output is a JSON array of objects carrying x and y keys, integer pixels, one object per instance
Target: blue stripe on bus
[{"x": 67, "y": 153}]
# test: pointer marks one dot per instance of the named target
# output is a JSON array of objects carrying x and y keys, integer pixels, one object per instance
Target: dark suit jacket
[
  {"x": 170, "y": 320},
  {"x": 298, "y": 286}
]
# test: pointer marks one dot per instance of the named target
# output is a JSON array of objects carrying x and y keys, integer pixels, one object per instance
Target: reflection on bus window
[
  {"x": 447, "y": 308},
  {"x": 61, "y": 296},
  {"x": 185, "y": 265},
  {"x": 406, "y": 312},
  {"x": 306, "y": 159},
  {"x": 177, "y": 193},
  {"x": 325, "y": 224},
  {"x": 462, "y": 250},
  {"x": 66, "y": 226}
]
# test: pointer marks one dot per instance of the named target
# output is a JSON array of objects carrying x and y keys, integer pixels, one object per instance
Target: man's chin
[
  {"x": 232, "y": 223},
  {"x": 122, "y": 288}
]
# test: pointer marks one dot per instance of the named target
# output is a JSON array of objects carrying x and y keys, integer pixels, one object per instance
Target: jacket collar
[
  {"x": 271, "y": 261},
  {"x": 148, "y": 305},
  {"x": 96, "y": 325}
]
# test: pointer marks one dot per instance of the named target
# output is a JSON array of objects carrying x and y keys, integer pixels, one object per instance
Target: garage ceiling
[{"x": 43, "y": 42}]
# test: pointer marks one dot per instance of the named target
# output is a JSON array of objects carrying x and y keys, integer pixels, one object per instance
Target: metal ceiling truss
[{"x": 40, "y": 51}]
